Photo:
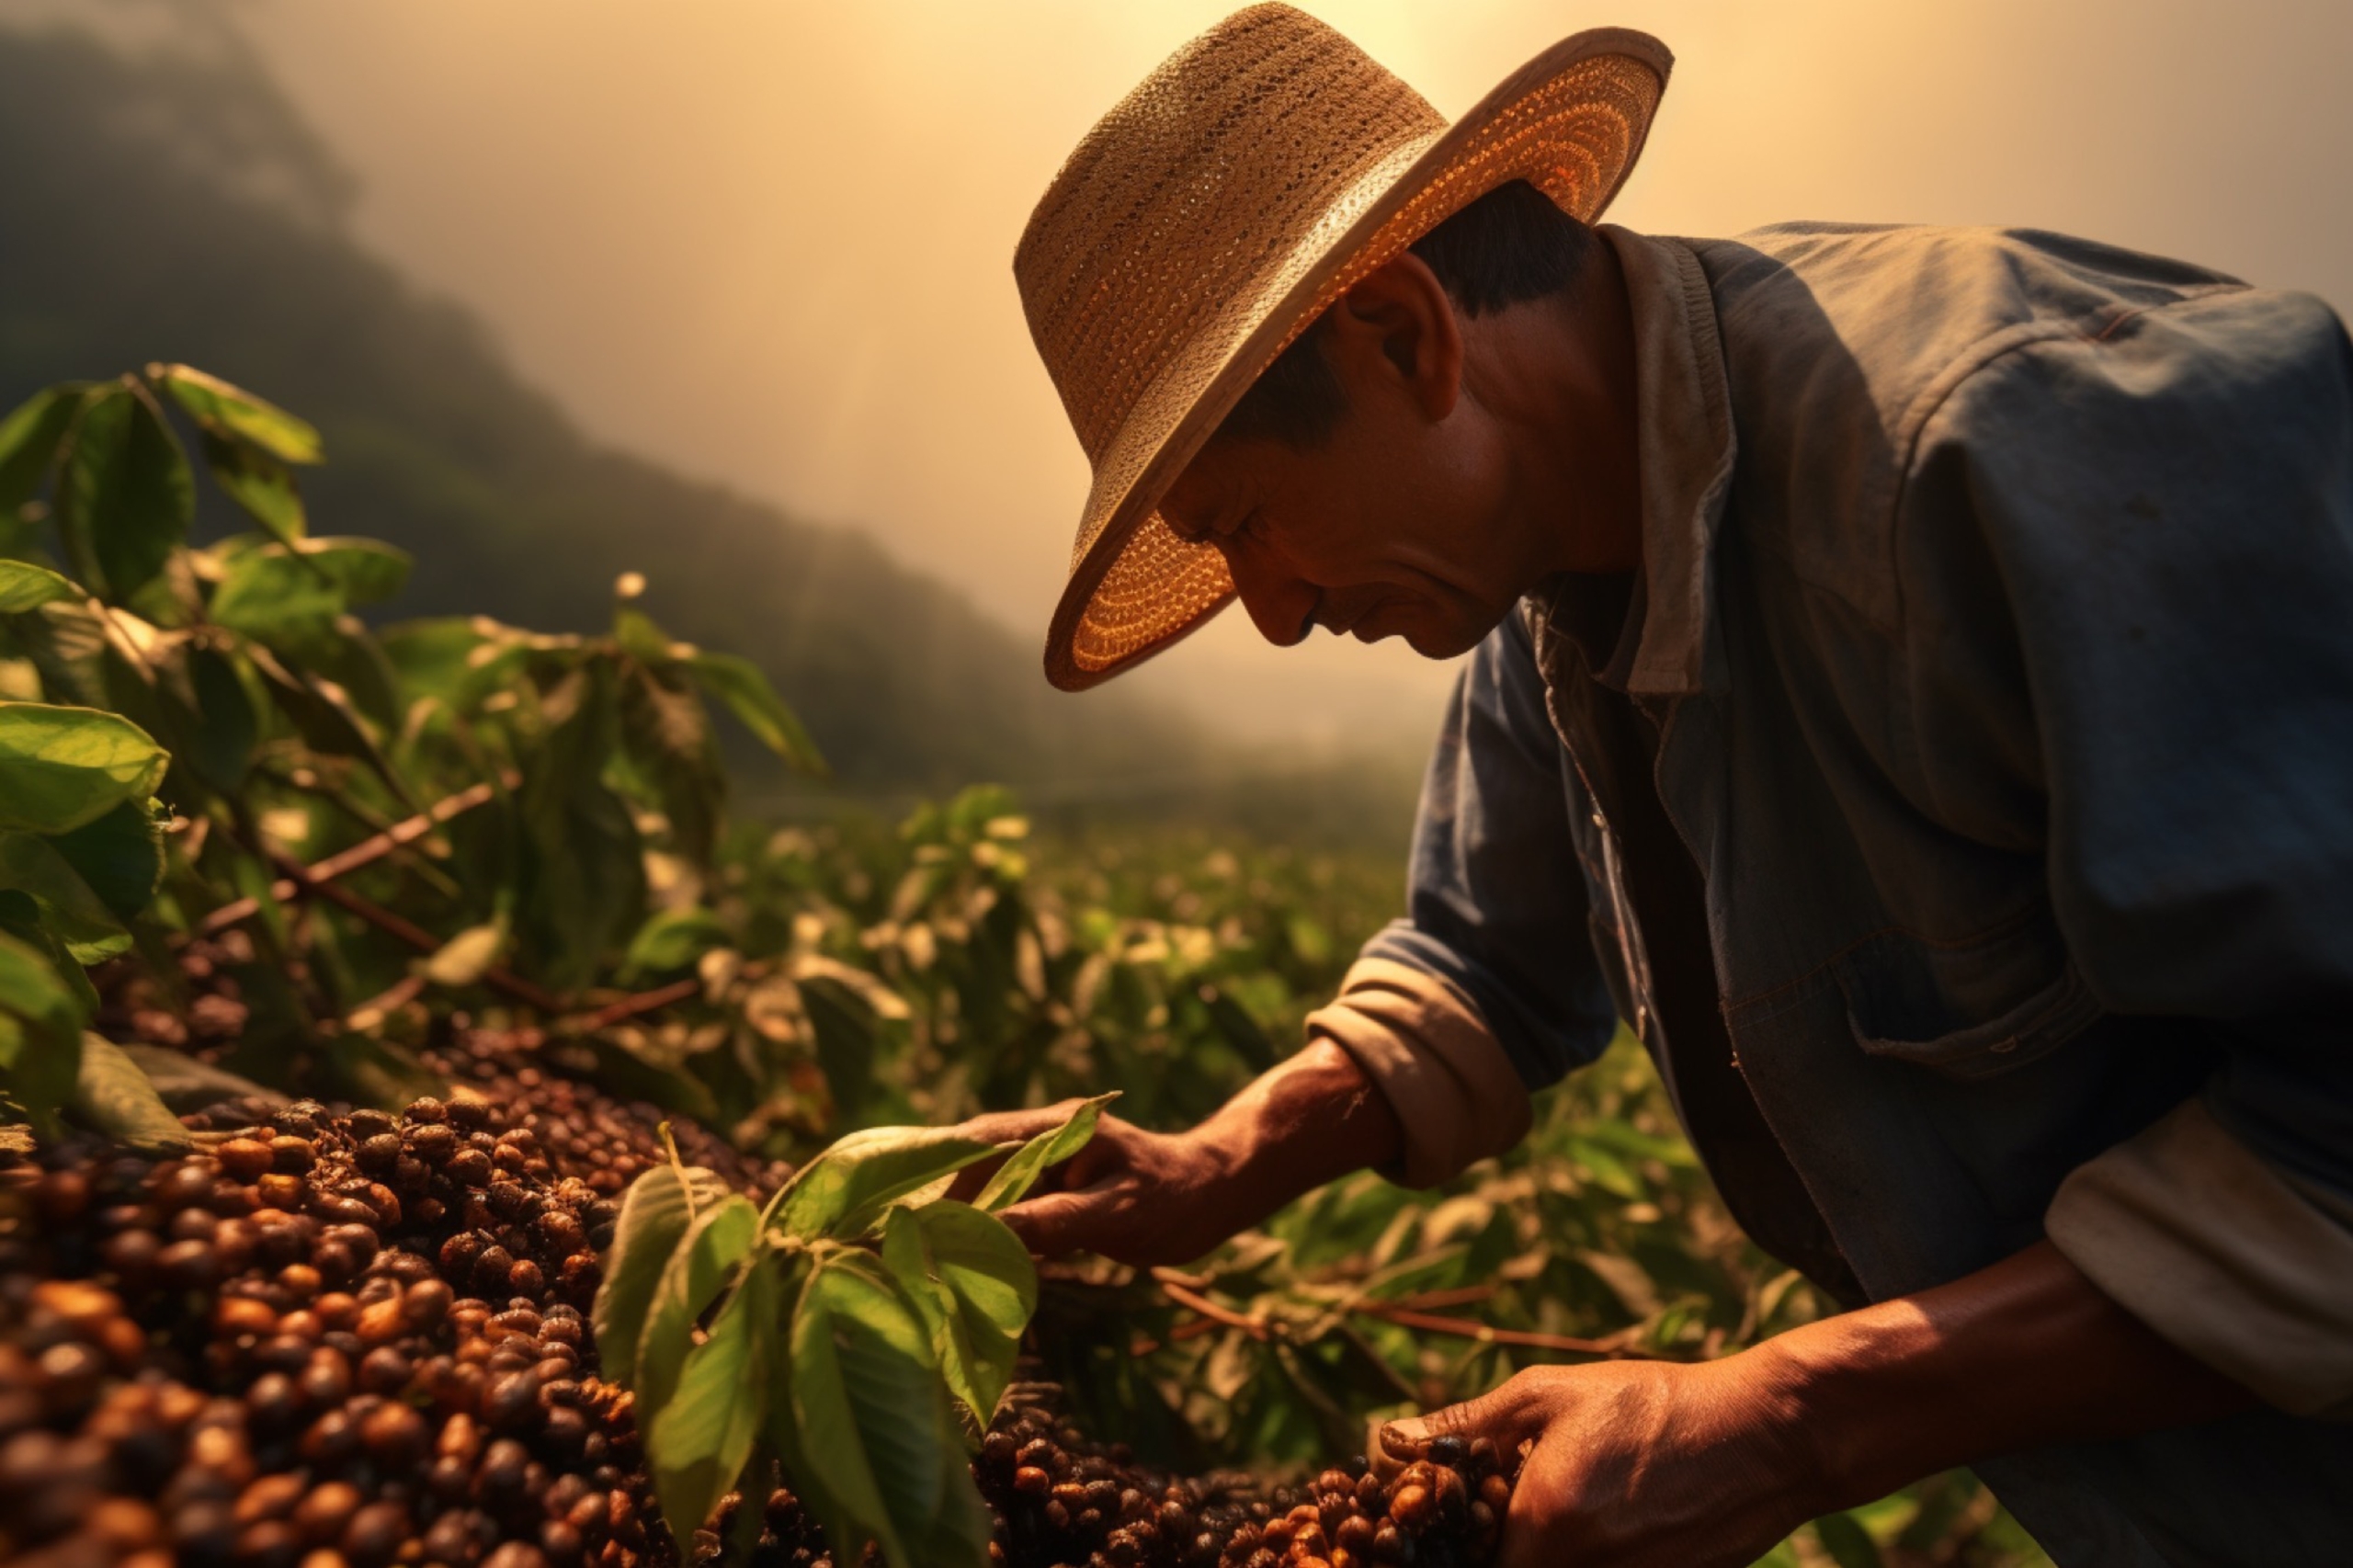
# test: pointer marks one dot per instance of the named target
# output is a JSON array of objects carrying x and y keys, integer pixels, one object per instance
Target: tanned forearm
[
  {"x": 2022, "y": 1354},
  {"x": 1311, "y": 1120}
]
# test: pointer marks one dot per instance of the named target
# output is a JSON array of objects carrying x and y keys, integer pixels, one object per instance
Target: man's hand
[
  {"x": 1141, "y": 1198},
  {"x": 1694, "y": 1464},
  {"x": 1153, "y": 1197},
  {"x": 1639, "y": 1463}
]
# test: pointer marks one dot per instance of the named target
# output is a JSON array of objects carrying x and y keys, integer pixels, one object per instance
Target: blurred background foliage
[{"x": 183, "y": 212}]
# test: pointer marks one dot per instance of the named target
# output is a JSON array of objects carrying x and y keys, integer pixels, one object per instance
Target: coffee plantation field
[{"x": 436, "y": 1132}]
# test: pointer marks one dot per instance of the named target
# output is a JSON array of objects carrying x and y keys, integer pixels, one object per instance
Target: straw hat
[{"x": 1262, "y": 171}]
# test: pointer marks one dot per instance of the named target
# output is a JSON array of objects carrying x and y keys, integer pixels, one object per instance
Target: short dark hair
[{"x": 1511, "y": 245}]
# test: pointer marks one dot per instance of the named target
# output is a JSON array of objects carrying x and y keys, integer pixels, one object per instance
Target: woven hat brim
[{"x": 1135, "y": 588}]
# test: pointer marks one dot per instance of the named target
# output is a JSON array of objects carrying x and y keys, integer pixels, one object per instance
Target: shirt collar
[{"x": 1685, "y": 447}]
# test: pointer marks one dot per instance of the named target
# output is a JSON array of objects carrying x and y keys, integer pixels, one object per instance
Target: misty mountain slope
[{"x": 172, "y": 206}]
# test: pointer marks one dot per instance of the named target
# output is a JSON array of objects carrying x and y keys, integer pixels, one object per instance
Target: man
[{"x": 1911, "y": 683}]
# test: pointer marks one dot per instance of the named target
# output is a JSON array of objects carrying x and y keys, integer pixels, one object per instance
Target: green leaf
[
  {"x": 69, "y": 910},
  {"x": 698, "y": 1444},
  {"x": 718, "y": 1240},
  {"x": 639, "y": 637},
  {"x": 269, "y": 593},
  {"x": 225, "y": 410},
  {"x": 62, "y": 767},
  {"x": 111, "y": 1094},
  {"x": 866, "y": 1405},
  {"x": 120, "y": 855},
  {"x": 465, "y": 958},
  {"x": 258, "y": 482},
  {"x": 654, "y": 1213},
  {"x": 584, "y": 868},
  {"x": 322, "y": 715},
  {"x": 739, "y": 683},
  {"x": 666, "y": 735},
  {"x": 1848, "y": 1544},
  {"x": 973, "y": 1282},
  {"x": 844, "y": 1189},
  {"x": 191, "y": 1085},
  {"x": 40, "y": 1031},
  {"x": 226, "y": 728},
  {"x": 432, "y": 656},
  {"x": 846, "y": 1034},
  {"x": 672, "y": 940},
  {"x": 24, "y": 586},
  {"x": 369, "y": 571},
  {"x": 127, "y": 498},
  {"x": 29, "y": 439},
  {"x": 1020, "y": 1174},
  {"x": 272, "y": 591}
]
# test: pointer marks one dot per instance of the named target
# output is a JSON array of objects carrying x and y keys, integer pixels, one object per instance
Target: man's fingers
[
  {"x": 1058, "y": 1222},
  {"x": 1017, "y": 1126},
  {"x": 1002, "y": 1126},
  {"x": 1510, "y": 1415}
]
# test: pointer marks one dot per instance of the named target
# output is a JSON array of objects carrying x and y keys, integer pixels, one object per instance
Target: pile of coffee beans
[
  {"x": 329, "y": 1337},
  {"x": 1062, "y": 1500},
  {"x": 337, "y": 1341}
]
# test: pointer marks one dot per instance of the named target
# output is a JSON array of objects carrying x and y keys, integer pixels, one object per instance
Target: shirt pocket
[{"x": 1967, "y": 1010}]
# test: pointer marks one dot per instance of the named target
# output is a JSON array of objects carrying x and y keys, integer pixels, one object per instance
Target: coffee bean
[
  {"x": 511, "y": 1400},
  {"x": 394, "y": 1435},
  {"x": 248, "y": 1159},
  {"x": 502, "y": 1466},
  {"x": 324, "y": 1510},
  {"x": 381, "y": 1322},
  {"x": 375, "y": 1534}
]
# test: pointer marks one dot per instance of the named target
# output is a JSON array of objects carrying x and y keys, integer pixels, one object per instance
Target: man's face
[
  {"x": 1385, "y": 529},
  {"x": 1473, "y": 458}
]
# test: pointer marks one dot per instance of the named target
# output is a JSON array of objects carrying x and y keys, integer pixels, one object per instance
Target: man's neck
[{"x": 1559, "y": 375}]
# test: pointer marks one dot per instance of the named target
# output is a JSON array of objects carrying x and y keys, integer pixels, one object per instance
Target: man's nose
[{"x": 1282, "y": 604}]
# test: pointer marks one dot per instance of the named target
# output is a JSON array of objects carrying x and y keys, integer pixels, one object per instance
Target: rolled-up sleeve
[
  {"x": 1489, "y": 986},
  {"x": 2167, "y": 504}
]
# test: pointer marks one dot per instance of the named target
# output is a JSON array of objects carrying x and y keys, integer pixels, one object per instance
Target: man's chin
[
  {"x": 1442, "y": 639},
  {"x": 1444, "y": 643}
]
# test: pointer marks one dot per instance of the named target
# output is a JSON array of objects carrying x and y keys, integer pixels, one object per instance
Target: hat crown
[{"x": 1188, "y": 197}]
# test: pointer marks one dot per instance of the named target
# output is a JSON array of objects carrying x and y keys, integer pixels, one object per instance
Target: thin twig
[
  {"x": 1193, "y": 1328},
  {"x": 627, "y": 1008},
  {"x": 1470, "y": 1328},
  {"x": 1462, "y": 1296},
  {"x": 367, "y": 852},
  {"x": 1213, "y": 1317},
  {"x": 1254, "y": 1326},
  {"x": 415, "y": 935}
]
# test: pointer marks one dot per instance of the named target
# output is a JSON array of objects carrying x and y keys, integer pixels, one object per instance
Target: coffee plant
[
  {"x": 845, "y": 1317},
  {"x": 431, "y": 1131}
]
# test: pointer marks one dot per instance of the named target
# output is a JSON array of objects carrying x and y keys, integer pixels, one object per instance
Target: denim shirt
[{"x": 1997, "y": 626}]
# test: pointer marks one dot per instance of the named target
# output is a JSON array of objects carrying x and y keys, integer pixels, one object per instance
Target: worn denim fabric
[{"x": 2000, "y": 640}]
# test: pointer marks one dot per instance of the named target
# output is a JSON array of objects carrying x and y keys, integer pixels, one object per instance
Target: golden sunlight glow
[{"x": 771, "y": 243}]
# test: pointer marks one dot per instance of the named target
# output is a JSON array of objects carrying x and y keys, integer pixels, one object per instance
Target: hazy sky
[{"x": 770, "y": 243}]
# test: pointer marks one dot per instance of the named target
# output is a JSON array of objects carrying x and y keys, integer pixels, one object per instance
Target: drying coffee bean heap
[
  {"x": 1062, "y": 1500},
  {"x": 325, "y": 1341},
  {"x": 587, "y": 1132},
  {"x": 354, "y": 1339}
]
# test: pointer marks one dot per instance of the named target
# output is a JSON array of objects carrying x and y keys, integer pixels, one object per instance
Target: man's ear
[{"x": 1398, "y": 328}]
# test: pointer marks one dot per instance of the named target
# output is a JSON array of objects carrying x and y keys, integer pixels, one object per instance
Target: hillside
[{"x": 170, "y": 205}]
